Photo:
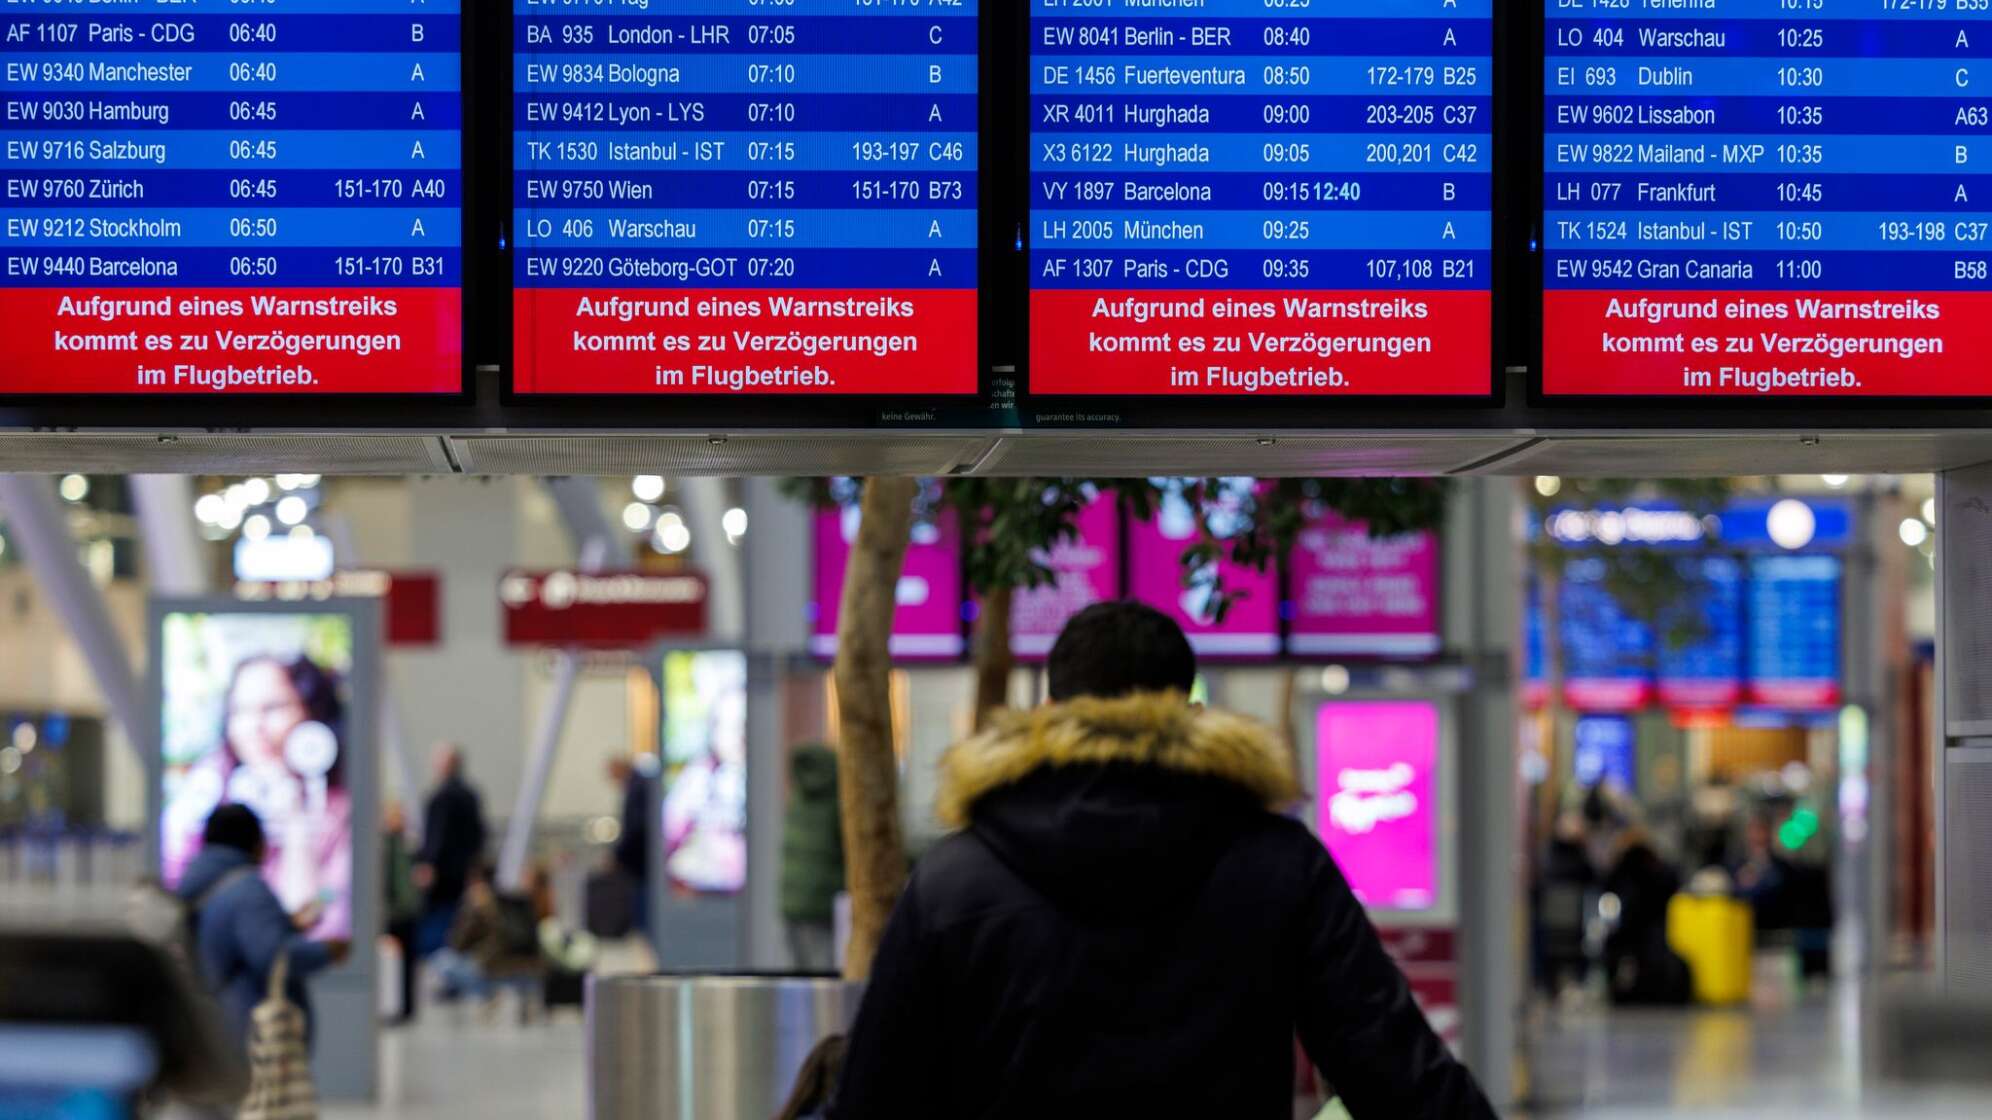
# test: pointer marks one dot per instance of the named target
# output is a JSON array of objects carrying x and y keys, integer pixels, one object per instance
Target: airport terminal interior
[{"x": 738, "y": 559}]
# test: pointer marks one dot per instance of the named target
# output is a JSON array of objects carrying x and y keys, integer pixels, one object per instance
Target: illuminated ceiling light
[
  {"x": 672, "y": 536},
  {"x": 256, "y": 528},
  {"x": 230, "y": 519},
  {"x": 647, "y": 487},
  {"x": 74, "y": 488},
  {"x": 10, "y": 760},
  {"x": 25, "y": 737},
  {"x": 209, "y": 509},
  {"x": 734, "y": 522},
  {"x": 1930, "y": 510},
  {"x": 1914, "y": 532},
  {"x": 1833, "y": 481},
  {"x": 292, "y": 510},
  {"x": 256, "y": 491},
  {"x": 636, "y": 516},
  {"x": 1791, "y": 524},
  {"x": 302, "y": 533},
  {"x": 237, "y": 497},
  {"x": 1548, "y": 485},
  {"x": 1334, "y": 679},
  {"x": 290, "y": 482},
  {"x": 307, "y": 481}
]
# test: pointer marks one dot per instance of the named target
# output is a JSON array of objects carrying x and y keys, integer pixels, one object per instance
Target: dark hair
[
  {"x": 317, "y": 689},
  {"x": 234, "y": 826},
  {"x": 816, "y": 1080},
  {"x": 1112, "y": 649}
]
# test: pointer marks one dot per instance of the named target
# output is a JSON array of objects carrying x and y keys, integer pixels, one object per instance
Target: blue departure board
[
  {"x": 202, "y": 196},
  {"x": 746, "y": 196},
  {"x": 1608, "y": 652},
  {"x": 1701, "y": 643},
  {"x": 1794, "y": 644},
  {"x": 1236, "y": 197},
  {"x": 1768, "y": 198}
]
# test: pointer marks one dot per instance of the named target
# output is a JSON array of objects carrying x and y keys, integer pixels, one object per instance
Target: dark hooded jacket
[{"x": 1124, "y": 927}]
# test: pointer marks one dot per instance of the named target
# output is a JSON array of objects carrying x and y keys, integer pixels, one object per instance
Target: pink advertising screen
[
  {"x": 1088, "y": 568},
  {"x": 1250, "y": 628},
  {"x": 927, "y": 624},
  {"x": 1357, "y": 595},
  {"x": 1376, "y": 803}
]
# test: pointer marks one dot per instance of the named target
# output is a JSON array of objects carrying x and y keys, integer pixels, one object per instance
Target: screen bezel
[
  {"x": 1448, "y": 845},
  {"x": 225, "y": 410}
]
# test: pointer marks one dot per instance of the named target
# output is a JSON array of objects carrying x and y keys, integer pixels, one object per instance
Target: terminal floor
[{"x": 1790, "y": 1060}]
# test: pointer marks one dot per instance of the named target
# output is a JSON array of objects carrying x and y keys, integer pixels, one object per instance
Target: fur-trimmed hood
[{"x": 1161, "y": 730}]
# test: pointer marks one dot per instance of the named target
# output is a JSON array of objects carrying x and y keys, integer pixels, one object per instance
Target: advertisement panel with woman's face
[{"x": 254, "y": 712}]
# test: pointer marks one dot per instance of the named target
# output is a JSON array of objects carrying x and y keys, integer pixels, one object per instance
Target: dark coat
[
  {"x": 239, "y": 931},
  {"x": 812, "y": 840},
  {"x": 632, "y": 851},
  {"x": 452, "y": 839},
  {"x": 1126, "y": 929}
]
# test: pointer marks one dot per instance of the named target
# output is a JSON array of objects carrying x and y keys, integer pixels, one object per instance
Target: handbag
[{"x": 280, "y": 1085}]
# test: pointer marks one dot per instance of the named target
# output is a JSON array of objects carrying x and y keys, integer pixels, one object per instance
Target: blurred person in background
[
  {"x": 631, "y": 854},
  {"x": 1128, "y": 925},
  {"x": 402, "y": 903},
  {"x": 240, "y": 929},
  {"x": 1640, "y": 966},
  {"x": 453, "y": 837},
  {"x": 812, "y": 858},
  {"x": 1564, "y": 886}
]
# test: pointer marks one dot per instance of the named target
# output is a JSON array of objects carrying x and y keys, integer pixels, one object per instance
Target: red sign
[
  {"x": 1430, "y": 960},
  {"x": 601, "y": 610},
  {"x": 411, "y": 607}
]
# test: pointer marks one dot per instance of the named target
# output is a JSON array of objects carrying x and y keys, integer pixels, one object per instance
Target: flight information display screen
[
  {"x": 1768, "y": 198},
  {"x": 222, "y": 197},
  {"x": 1234, "y": 197},
  {"x": 745, "y": 196}
]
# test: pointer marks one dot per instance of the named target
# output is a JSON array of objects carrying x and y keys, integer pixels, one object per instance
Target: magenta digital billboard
[
  {"x": 1377, "y": 798},
  {"x": 927, "y": 624},
  {"x": 1250, "y": 628},
  {"x": 1355, "y": 595},
  {"x": 1088, "y": 571}
]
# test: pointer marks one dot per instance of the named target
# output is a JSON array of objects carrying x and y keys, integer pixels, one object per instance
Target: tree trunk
[
  {"x": 1290, "y": 722},
  {"x": 994, "y": 661},
  {"x": 867, "y": 769}
]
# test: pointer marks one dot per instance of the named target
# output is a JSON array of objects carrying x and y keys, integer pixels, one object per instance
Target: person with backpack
[
  {"x": 1127, "y": 925},
  {"x": 240, "y": 930}
]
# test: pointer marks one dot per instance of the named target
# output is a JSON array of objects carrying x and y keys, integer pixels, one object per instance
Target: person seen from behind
[
  {"x": 403, "y": 903},
  {"x": 453, "y": 836},
  {"x": 812, "y": 858},
  {"x": 1125, "y": 925},
  {"x": 240, "y": 929}
]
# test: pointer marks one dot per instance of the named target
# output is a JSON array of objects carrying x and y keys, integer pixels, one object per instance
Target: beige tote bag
[{"x": 280, "y": 1085}]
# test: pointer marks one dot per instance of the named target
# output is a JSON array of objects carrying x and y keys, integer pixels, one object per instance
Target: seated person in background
[
  {"x": 240, "y": 929},
  {"x": 493, "y": 939}
]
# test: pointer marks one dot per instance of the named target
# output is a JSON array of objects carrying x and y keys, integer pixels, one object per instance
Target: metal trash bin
[{"x": 705, "y": 1047}]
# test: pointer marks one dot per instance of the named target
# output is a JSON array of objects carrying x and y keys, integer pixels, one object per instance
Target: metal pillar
[
  {"x": 40, "y": 528},
  {"x": 393, "y": 737},
  {"x": 1962, "y": 768},
  {"x": 580, "y": 506},
  {"x": 706, "y": 504},
  {"x": 175, "y": 563},
  {"x": 775, "y": 562},
  {"x": 1482, "y": 623}
]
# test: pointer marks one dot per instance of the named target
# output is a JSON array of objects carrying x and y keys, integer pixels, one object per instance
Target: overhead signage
[
  {"x": 601, "y": 610},
  {"x": 231, "y": 199},
  {"x": 746, "y": 198},
  {"x": 1359, "y": 595},
  {"x": 411, "y": 606},
  {"x": 1239, "y": 197},
  {"x": 1767, "y": 199}
]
